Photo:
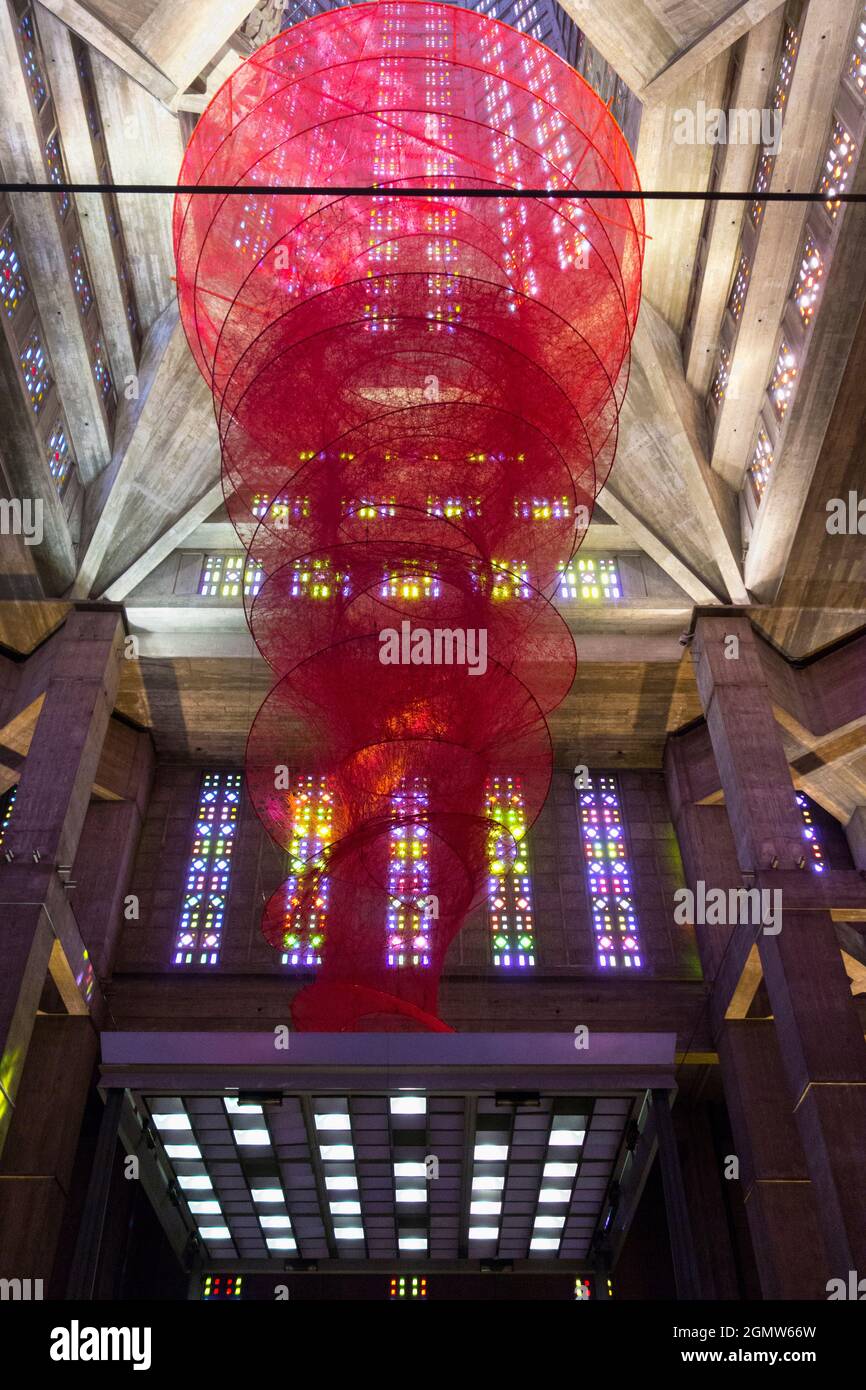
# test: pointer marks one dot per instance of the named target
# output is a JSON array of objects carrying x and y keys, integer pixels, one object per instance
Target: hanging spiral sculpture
[{"x": 417, "y": 399}]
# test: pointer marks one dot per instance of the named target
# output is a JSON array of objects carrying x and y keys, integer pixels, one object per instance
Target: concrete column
[
  {"x": 37, "y": 1163},
  {"x": 702, "y": 1184},
  {"x": 683, "y": 1252},
  {"x": 780, "y": 1201},
  {"x": 856, "y": 833},
  {"x": 53, "y": 795},
  {"x": 82, "y": 1277},
  {"x": 823, "y": 1054},
  {"x": 779, "y": 1197}
]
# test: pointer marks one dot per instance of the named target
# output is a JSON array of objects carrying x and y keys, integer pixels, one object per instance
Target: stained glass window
[
  {"x": 30, "y": 59},
  {"x": 781, "y": 386},
  {"x": 294, "y": 507},
  {"x": 722, "y": 376},
  {"x": 453, "y": 506},
  {"x": 368, "y": 508},
  {"x": 509, "y": 884},
  {"x": 100, "y": 369},
  {"x": 7, "y": 801},
  {"x": 207, "y": 882},
  {"x": 810, "y": 834},
  {"x": 763, "y": 174},
  {"x": 35, "y": 371},
  {"x": 608, "y": 874},
  {"x": 590, "y": 578},
  {"x": 838, "y": 167},
  {"x": 409, "y": 911},
  {"x": 787, "y": 62},
  {"x": 312, "y": 828},
  {"x": 12, "y": 282},
  {"x": 223, "y": 1286},
  {"x": 223, "y": 575},
  {"x": 809, "y": 277},
  {"x": 56, "y": 171},
  {"x": 85, "y": 77},
  {"x": 408, "y": 1286},
  {"x": 410, "y": 582},
  {"x": 737, "y": 297},
  {"x": 761, "y": 463},
  {"x": 857, "y": 65},
  {"x": 59, "y": 454},
  {"x": 318, "y": 579},
  {"x": 511, "y": 579},
  {"x": 80, "y": 278},
  {"x": 542, "y": 508}
]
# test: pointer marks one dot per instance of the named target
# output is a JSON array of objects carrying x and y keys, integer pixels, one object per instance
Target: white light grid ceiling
[{"x": 351, "y": 1177}]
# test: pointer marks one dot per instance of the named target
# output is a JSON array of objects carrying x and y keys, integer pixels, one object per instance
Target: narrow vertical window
[
  {"x": 810, "y": 834},
  {"x": 312, "y": 828},
  {"x": 13, "y": 285},
  {"x": 761, "y": 464},
  {"x": 510, "y": 886},
  {"x": 608, "y": 875},
  {"x": 409, "y": 877},
  {"x": 207, "y": 880},
  {"x": 7, "y": 801},
  {"x": 781, "y": 386}
]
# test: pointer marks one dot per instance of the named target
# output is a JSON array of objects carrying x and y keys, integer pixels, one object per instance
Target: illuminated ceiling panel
[{"x": 400, "y": 1176}]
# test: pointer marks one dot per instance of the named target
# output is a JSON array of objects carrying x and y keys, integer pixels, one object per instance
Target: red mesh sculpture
[{"x": 417, "y": 400}]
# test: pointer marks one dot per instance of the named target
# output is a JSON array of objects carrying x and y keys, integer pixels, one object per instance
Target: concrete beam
[
  {"x": 145, "y": 144},
  {"x": 182, "y": 39},
  {"x": 823, "y": 49},
  {"x": 738, "y": 161},
  {"x": 630, "y": 35},
  {"x": 821, "y": 455},
  {"x": 39, "y": 232},
  {"x": 656, "y": 548},
  {"x": 167, "y": 455},
  {"x": 111, "y": 45},
  {"x": 673, "y": 226},
  {"x": 701, "y": 51},
  {"x": 711, "y": 511},
  {"x": 78, "y": 150},
  {"x": 170, "y": 541},
  {"x": 24, "y": 474}
]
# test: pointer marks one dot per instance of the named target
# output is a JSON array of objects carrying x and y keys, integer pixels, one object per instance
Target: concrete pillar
[
  {"x": 103, "y": 864},
  {"x": 37, "y": 1163},
  {"x": 85, "y": 1263},
  {"x": 53, "y": 796},
  {"x": 780, "y": 1201},
  {"x": 823, "y": 1054},
  {"x": 702, "y": 1183},
  {"x": 683, "y": 1253},
  {"x": 856, "y": 833},
  {"x": 779, "y": 1197}
]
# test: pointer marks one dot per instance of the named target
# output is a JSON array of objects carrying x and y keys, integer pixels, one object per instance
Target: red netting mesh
[{"x": 417, "y": 400}]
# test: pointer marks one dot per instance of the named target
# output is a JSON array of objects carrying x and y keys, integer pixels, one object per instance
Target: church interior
[{"x": 324, "y": 978}]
